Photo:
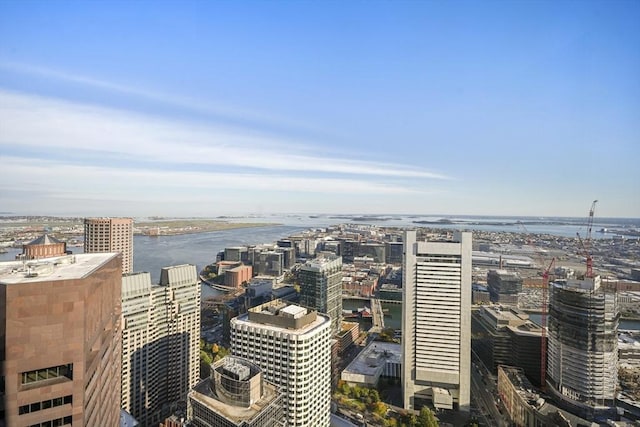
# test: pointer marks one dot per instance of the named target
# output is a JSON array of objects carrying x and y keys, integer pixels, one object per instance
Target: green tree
[{"x": 427, "y": 418}]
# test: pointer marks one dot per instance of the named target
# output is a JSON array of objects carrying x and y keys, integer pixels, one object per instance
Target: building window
[{"x": 48, "y": 373}]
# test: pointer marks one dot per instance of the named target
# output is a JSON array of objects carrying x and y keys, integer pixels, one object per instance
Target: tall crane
[
  {"x": 544, "y": 306},
  {"x": 585, "y": 245}
]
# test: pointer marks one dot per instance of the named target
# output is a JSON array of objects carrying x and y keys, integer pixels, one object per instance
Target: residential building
[
  {"x": 321, "y": 287},
  {"x": 161, "y": 339},
  {"x": 582, "y": 354},
  {"x": 236, "y": 395},
  {"x": 436, "y": 322},
  {"x": 110, "y": 235},
  {"x": 60, "y": 341},
  {"x": 291, "y": 344}
]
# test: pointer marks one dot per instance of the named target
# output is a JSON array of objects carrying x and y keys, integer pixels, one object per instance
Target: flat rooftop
[
  {"x": 374, "y": 357},
  {"x": 49, "y": 269},
  {"x": 281, "y": 316},
  {"x": 202, "y": 393}
]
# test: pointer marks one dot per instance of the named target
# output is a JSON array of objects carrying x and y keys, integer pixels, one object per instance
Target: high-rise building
[
  {"x": 60, "y": 341},
  {"x": 582, "y": 352},
  {"x": 321, "y": 287},
  {"x": 110, "y": 235},
  {"x": 291, "y": 344},
  {"x": 436, "y": 322},
  {"x": 236, "y": 395},
  {"x": 161, "y": 341}
]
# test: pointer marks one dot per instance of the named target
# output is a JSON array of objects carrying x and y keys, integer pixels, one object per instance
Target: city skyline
[{"x": 410, "y": 107}]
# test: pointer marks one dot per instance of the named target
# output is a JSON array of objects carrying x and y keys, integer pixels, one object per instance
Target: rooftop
[
  {"x": 49, "y": 269},
  {"x": 373, "y": 358},
  {"x": 45, "y": 239},
  {"x": 281, "y": 316}
]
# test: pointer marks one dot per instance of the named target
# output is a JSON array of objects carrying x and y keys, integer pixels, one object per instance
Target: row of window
[
  {"x": 45, "y": 404},
  {"x": 58, "y": 422},
  {"x": 48, "y": 373}
]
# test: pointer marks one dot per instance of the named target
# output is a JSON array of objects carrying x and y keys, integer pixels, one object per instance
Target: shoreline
[{"x": 147, "y": 229}]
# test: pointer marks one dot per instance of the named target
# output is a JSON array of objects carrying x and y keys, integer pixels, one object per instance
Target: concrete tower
[
  {"x": 436, "y": 322},
  {"x": 110, "y": 235},
  {"x": 291, "y": 344}
]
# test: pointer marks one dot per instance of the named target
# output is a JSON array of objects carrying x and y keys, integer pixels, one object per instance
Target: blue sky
[{"x": 208, "y": 108}]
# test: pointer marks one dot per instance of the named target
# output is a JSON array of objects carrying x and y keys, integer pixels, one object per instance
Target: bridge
[{"x": 377, "y": 316}]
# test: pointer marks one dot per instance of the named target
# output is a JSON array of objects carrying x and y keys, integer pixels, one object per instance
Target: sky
[{"x": 207, "y": 108}]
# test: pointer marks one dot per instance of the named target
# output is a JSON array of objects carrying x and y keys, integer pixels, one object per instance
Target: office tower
[
  {"x": 160, "y": 341},
  {"x": 110, "y": 235},
  {"x": 44, "y": 246},
  {"x": 582, "y": 353},
  {"x": 61, "y": 341},
  {"x": 504, "y": 286},
  {"x": 436, "y": 324},
  {"x": 291, "y": 344},
  {"x": 506, "y": 336},
  {"x": 236, "y": 395},
  {"x": 321, "y": 287}
]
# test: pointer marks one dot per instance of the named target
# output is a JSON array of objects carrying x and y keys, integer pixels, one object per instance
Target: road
[{"x": 484, "y": 396}]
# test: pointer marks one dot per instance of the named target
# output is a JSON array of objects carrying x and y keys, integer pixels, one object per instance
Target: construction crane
[
  {"x": 585, "y": 245},
  {"x": 544, "y": 306}
]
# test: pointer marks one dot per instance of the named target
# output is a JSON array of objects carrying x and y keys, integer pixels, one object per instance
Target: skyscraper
[
  {"x": 291, "y": 344},
  {"x": 161, "y": 341},
  {"x": 61, "y": 341},
  {"x": 436, "y": 322},
  {"x": 583, "y": 346},
  {"x": 110, "y": 235},
  {"x": 321, "y": 287}
]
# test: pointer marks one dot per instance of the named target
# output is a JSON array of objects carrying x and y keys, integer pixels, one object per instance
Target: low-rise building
[
  {"x": 236, "y": 395},
  {"x": 378, "y": 359}
]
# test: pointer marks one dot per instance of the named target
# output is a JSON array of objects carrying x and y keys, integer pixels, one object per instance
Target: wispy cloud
[{"x": 37, "y": 122}]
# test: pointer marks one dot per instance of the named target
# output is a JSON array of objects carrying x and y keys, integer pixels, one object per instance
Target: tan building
[
  {"x": 44, "y": 246},
  {"x": 110, "y": 235},
  {"x": 236, "y": 276},
  {"x": 160, "y": 341},
  {"x": 61, "y": 341}
]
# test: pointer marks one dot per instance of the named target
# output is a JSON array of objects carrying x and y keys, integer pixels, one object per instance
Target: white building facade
[
  {"x": 291, "y": 345},
  {"x": 436, "y": 322}
]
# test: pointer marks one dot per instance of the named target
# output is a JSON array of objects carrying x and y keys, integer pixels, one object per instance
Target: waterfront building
[
  {"x": 61, "y": 341},
  {"x": 110, "y": 235},
  {"x": 236, "y": 276},
  {"x": 321, "y": 287},
  {"x": 237, "y": 253},
  {"x": 236, "y": 395},
  {"x": 436, "y": 322},
  {"x": 161, "y": 339},
  {"x": 267, "y": 262},
  {"x": 582, "y": 356},
  {"x": 44, "y": 246},
  {"x": 291, "y": 344},
  {"x": 504, "y": 286}
]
